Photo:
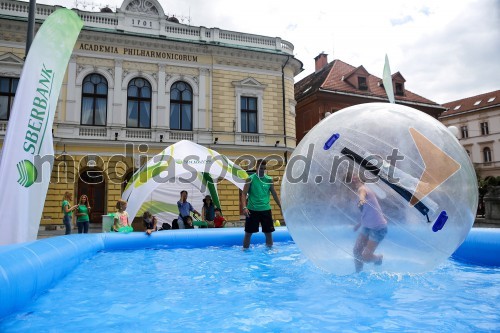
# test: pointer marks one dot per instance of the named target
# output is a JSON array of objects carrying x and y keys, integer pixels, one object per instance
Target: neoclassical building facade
[
  {"x": 477, "y": 119},
  {"x": 138, "y": 81}
]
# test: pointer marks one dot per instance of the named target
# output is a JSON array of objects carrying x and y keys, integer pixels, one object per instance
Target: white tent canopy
[{"x": 183, "y": 162}]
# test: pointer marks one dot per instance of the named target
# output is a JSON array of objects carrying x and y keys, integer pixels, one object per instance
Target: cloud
[
  {"x": 401, "y": 21},
  {"x": 460, "y": 59},
  {"x": 425, "y": 11}
]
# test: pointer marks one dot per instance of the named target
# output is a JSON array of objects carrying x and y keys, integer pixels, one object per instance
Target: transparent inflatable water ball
[{"x": 383, "y": 166}]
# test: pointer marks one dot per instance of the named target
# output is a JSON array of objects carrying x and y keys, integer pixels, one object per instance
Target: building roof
[
  {"x": 333, "y": 78},
  {"x": 473, "y": 103}
]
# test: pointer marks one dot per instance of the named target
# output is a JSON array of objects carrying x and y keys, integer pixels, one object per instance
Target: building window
[
  {"x": 139, "y": 103},
  {"x": 400, "y": 89},
  {"x": 484, "y": 129},
  {"x": 362, "y": 83},
  {"x": 468, "y": 152},
  {"x": 94, "y": 100},
  {"x": 487, "y": 155},
  {"x": 181, "y": 106},
  {"x": 249, "y": 108},
  {"x": 465, "y": 132},
  {"x": 8, "y": 87},
  {"x": 249, "y": 115}
]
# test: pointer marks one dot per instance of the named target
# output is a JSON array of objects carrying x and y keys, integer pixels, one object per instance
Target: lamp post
[{"x": 31, "y": 26}]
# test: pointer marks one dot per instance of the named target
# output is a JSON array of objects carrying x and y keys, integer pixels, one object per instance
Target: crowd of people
[
  {"x": 82, "y": 212},
  {"x": 255, "y": 198},
  {"x": 257, "y": 209}
]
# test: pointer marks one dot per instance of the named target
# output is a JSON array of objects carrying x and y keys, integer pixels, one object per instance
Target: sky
[{"x": 445, "y": 49}]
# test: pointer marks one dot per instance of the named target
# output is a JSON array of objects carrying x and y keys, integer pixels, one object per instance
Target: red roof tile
[
  {"x": 478, "y": 102},
  {"x": 330, "y": 78}
]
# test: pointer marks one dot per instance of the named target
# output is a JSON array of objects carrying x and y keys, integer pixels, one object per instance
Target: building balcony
[
  {"x": 91, "y": 134},
  {"x": 487, "y": 165}
]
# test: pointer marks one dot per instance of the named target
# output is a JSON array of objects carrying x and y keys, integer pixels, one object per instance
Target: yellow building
[{"x": 138, "y": 81}]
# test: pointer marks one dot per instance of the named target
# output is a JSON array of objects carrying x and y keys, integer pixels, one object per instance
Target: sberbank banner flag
[{"x": 27, "y": 153}]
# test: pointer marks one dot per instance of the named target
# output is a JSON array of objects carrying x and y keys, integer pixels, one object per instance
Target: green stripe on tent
[{"x": 209, "y": 183}]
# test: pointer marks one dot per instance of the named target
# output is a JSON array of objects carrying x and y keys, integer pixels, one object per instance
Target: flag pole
[{"x": 31, "y": 26}]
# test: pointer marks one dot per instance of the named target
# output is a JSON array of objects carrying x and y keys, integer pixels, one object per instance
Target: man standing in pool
[{"x": 258, "y": 209}]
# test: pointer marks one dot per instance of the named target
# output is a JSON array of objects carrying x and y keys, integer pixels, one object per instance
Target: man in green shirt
[{"x": 257, "y": 208}]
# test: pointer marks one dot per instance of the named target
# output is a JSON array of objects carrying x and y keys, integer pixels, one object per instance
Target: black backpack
[{"x": 166, "y": 226}]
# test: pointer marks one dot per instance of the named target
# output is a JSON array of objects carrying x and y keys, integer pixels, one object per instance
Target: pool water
[{"x": 259, "y": 290}]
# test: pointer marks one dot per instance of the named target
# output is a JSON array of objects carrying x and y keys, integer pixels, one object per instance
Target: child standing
[
  {"x": 121, "y": 222},
  {"x": 219, "y": 220},
  {"x": 67, "y": 211},
  {"x": 82, "y": 215}
]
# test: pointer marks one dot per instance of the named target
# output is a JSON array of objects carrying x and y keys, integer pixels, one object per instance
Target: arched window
[
  {"x": 94, "y": 100},
  {"x": 139, "y": 103},
  {"x": 487, "y": 155},
  {"x": 181, "y": 106}
]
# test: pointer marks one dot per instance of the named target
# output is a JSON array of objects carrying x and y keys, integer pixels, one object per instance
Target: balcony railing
[
  {"x": 168, "y": 29},
  {"x": 93, "y": 132},
  {"x": 249, "y": 138},
  {"x": 177, "y": 136},
  {"x": 68, "y": 132},
  {"x": 138, "y": 134},
  {"x": 487, "y": 165}
]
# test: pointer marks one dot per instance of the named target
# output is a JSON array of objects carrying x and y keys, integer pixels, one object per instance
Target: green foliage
[
  {"x": 491, "y": 181},
  {"x": 484, "y": 184}
]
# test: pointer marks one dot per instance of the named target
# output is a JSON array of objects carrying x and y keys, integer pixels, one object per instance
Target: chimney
[{"x": 321, "y": 61}]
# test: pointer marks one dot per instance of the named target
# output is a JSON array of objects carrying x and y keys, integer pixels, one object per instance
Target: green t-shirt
[
  {"x": 64, "y": 204},
  {"x": 82, "y": 209},
  {"x": 258, "y": 194}
]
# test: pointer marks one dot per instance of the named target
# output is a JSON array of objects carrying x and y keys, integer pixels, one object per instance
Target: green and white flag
[
  {"x": 28, "y": 152},
  {"x": 387, "y": 80}
]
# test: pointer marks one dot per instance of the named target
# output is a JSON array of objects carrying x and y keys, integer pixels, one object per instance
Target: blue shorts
[{"x": 375, "y": 235}]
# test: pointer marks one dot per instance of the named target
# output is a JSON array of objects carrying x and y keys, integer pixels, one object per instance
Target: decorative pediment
[
  {"x": 10, "y": 59},
  {"x": 397, "y": 77},
  {"x": 358, "y": 78},
  {"x": 249, "y": 82},
  {"x": 356, "y": 72},
  {"x": 148, "y": 7}
]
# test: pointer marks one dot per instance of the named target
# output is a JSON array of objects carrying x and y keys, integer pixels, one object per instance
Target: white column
[
  {"x": 72, "y": 115},
  {"x": 117, "y": 115},
  {"x": 161, "y": 112},
  {"x": 202, "y": 100},
  {"x": 167, "y": 101}
]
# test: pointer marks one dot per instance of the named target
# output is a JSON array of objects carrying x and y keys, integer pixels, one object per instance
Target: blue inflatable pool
[{"x": 29, "y": 269}]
